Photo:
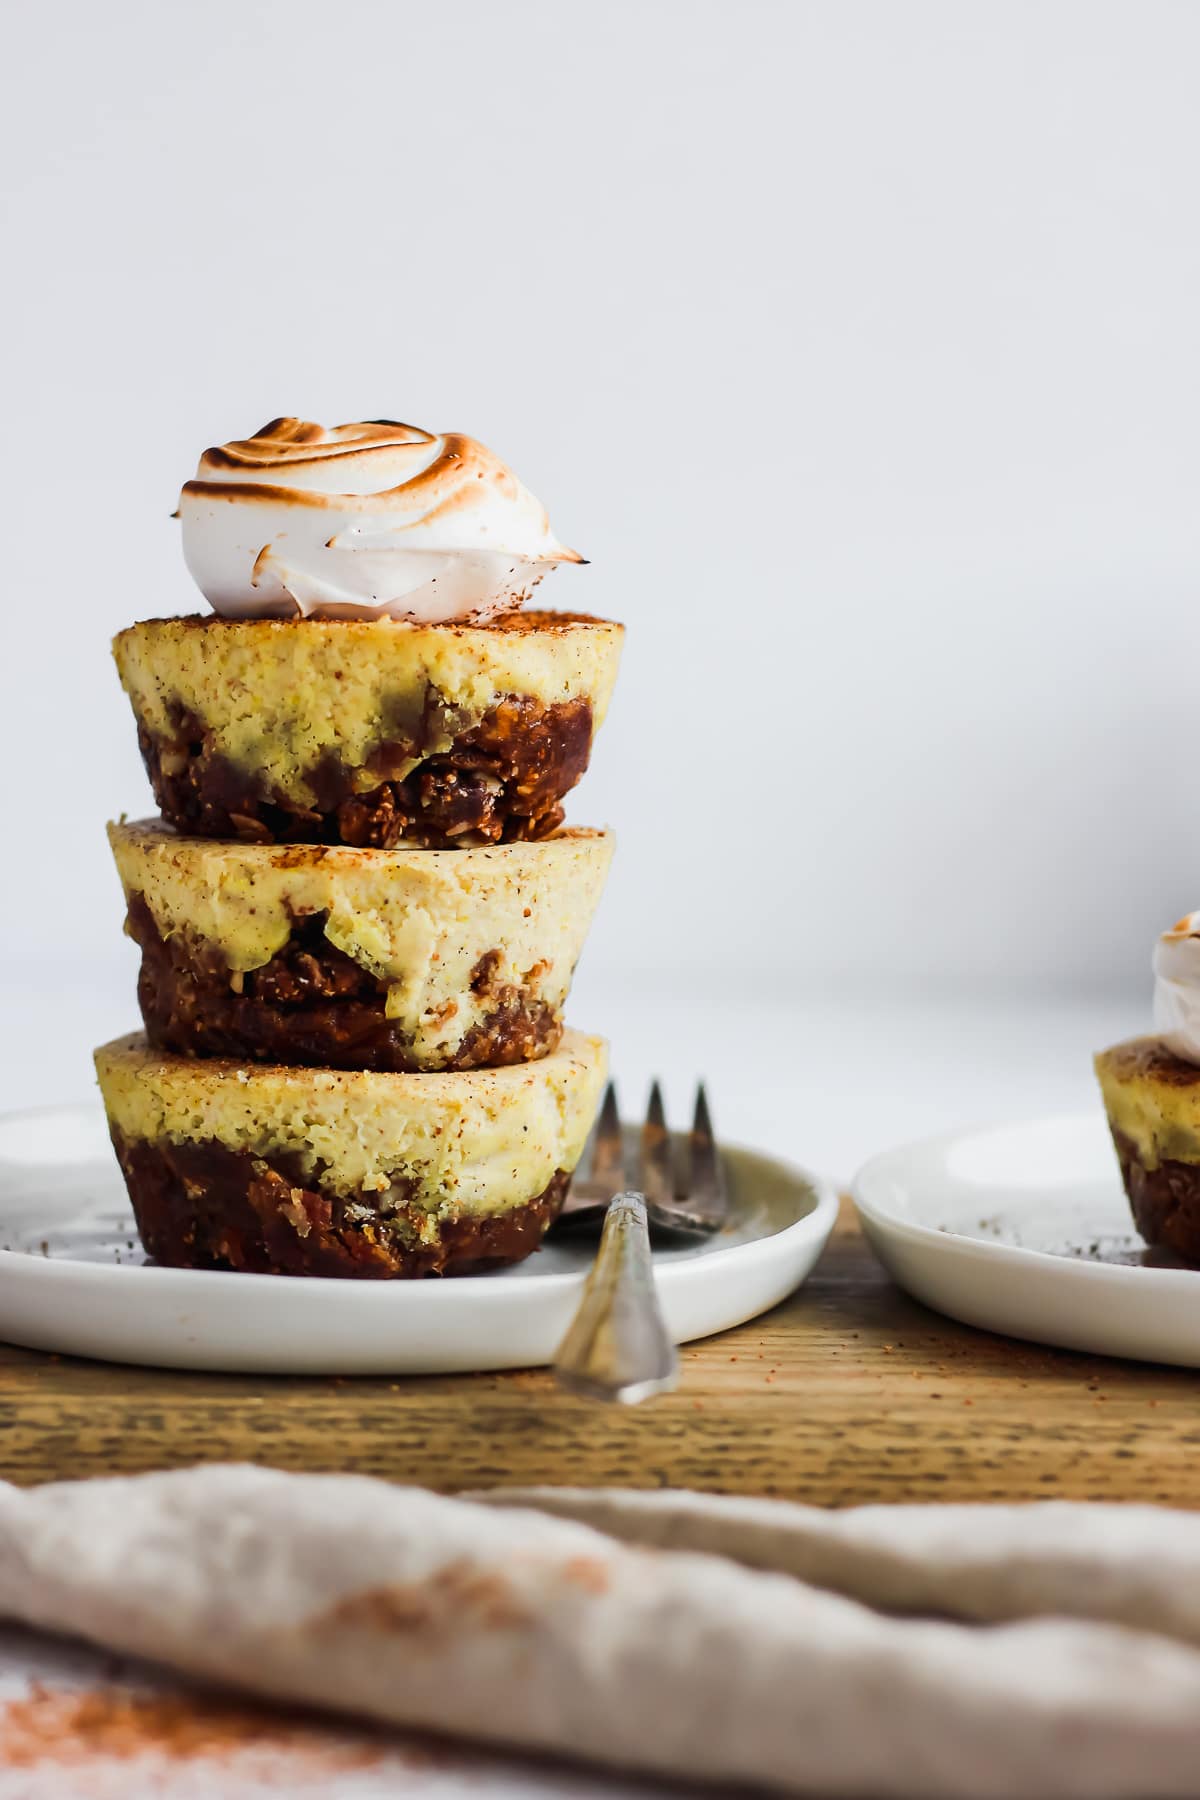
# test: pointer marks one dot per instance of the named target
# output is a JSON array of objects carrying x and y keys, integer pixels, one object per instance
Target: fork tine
[
  {"x": 707, "y": 1178},
  {"x": 657, "y": 1179},
  {"x": 608, "y": 1149}
]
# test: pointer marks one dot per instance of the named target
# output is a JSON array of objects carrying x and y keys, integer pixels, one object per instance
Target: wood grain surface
[{"x": 849, "y": 1392}]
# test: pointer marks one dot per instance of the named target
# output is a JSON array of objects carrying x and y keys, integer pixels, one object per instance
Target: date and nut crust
[
  {"x": 205, "y": 1206},
  {"x": 1165, "y": 1200},
  {"x": 501, "y": 782},
  {"x": 313, "y": 1006}
]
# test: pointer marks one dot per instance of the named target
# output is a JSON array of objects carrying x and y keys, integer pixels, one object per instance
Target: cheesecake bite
[
  {"x": 1151, "y": 1092},
  {"x": 367, "y": 675},
  {"x": 395, "y": 960},
  {"x": 322, "y": 1172},
  {"x": 368, "y": 732}
]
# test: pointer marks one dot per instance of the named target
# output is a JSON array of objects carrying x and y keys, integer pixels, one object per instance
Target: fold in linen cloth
[{"x": 1048, "y": 1650}]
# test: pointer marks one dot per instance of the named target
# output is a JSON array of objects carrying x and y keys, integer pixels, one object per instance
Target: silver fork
[
  {"x": 698, "y": 1212},
  {"x": 617, "y": 1346}
]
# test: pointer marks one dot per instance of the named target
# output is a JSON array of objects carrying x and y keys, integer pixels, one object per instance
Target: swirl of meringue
[
  {"x": 363, "y": 521},
  {"x": 1177, "y": 987}
]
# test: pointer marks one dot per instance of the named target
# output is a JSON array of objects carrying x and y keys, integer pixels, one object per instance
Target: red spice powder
[{"x": 74, "y": 1727}]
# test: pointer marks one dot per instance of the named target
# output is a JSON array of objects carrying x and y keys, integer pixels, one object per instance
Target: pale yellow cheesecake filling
[
  {"x": 1152, "y": 1098},
  {"x": 279, "y": 696},
  {"x": 476, "y": 1142},
  {"x": 419, "y": 920}
]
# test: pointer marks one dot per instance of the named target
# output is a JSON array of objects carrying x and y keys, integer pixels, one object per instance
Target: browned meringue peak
[{"x": 361, "y": 521}]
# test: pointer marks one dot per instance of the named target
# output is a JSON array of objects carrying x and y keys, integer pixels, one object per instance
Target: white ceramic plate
[
  {"x": 1025, "y": 1229},
  {"x": 73, "y": 1277}
]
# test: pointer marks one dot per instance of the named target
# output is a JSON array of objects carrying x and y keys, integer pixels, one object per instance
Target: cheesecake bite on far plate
[{"x": 1151, "y": 1090}]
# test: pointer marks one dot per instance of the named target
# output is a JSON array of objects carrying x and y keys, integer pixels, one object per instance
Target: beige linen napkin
[{"x": 674, "y": 1633}]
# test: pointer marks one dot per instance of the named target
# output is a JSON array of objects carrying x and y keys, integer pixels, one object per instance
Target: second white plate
[
  {"x": 1025, "y": 1229},
  {"x": 73, "y": 1277}
]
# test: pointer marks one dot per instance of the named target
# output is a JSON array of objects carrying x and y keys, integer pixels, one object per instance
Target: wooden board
[{"x": 847, "y": 1393}]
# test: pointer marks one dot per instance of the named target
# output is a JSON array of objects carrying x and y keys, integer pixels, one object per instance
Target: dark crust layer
[
  {"x": 313, "y": 1006},
  {"x": 501, "y": 781},
  {"x": 1148, "y": 1059},
  {"x": 203, "y": 1206},
  {"x": 1165, "y": 1201}
]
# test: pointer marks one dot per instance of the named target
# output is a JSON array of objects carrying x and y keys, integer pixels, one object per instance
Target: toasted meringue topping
[
  {"x": 362, "y": 521},
  {"x": 1177, "y": 987}
]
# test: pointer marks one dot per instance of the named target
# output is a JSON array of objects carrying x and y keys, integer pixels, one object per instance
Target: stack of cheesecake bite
[{"x": 360, "y": 912}]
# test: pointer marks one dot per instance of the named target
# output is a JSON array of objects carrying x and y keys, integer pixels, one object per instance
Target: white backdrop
[{"x": 855, "y": 343}]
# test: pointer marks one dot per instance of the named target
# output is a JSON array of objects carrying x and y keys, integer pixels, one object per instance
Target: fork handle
[{"x": 617, "y": 1346}]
